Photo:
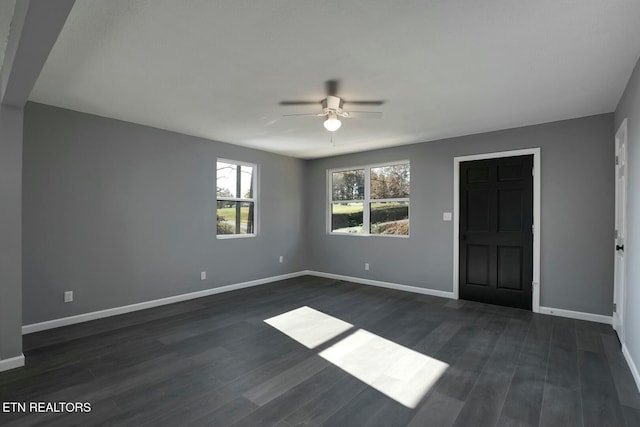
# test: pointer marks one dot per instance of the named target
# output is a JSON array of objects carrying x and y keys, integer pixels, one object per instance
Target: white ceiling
[{"x": 218, "y": 69}]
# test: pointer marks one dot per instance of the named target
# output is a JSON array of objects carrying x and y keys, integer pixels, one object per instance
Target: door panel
[
  {"x": 478, "y": 218},
  {"x": 510, "y": 267},
  {"x": 478, "y": 264},
  {"x": 509, "y": 172},
  {"x": 478, "y": 175},
  {"x": 496, "y": 238},
  {"x": 510, "y": 210}
]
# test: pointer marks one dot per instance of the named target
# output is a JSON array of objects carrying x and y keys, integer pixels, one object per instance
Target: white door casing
[
  {"x": 619, "y": 287},
  {"x": 536, "y": 216}
]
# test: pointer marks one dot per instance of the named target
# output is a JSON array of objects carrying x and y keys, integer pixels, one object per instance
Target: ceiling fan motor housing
[{"x": 332, "y": 103}]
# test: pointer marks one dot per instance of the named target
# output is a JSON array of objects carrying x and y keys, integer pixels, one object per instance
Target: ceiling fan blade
[
  {"x": 331, "y": 87},
  {"x": 364, "y": 102},
  {"x": 364, "y": 114},
  {"x": 299, "y": 102},
  {"x": 304, "y": 115}
]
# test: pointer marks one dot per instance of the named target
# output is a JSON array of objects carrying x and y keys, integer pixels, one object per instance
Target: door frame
[
  {"x": 620, "y": 289},
  {"x": 535, "y": 286}
]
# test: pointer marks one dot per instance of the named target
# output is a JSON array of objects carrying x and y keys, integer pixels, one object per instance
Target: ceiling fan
[{"x": 332, "y": 108}]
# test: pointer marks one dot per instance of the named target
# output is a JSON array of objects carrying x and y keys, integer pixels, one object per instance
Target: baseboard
[
  {"x": 14, "y": 362},
  {"x": 632, "y": 365},
  {"x": 389, "y": 285},
  {"x": 86, "y": 317},
  {"x": 599, "y": 318}
]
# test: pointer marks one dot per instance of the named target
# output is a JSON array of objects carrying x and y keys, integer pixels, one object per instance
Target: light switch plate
[{"x": 447, "y": 216}]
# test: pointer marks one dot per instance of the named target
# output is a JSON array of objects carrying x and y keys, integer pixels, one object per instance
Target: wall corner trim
[
  {"x": 12, "y": 363},
  {"x": 599, "y": 318},
  {"x": 632, "y": 365},
  {"x": 94, "y": 315},
  {"x": 389, "y": 285}
]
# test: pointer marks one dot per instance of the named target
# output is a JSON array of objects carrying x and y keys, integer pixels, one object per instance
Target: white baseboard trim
[
  {"x": 14, "y": 362},
  {"x": 632, "y": 365},
  {"x": 86, "y": 317},
  {"x": 599, "y": 318},
  {"x": 389, "y": 285}
]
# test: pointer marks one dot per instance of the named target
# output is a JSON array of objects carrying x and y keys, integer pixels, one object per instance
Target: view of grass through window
[
  {"x": 371, "y": 200},
  {"x": 236, "y": 198}
]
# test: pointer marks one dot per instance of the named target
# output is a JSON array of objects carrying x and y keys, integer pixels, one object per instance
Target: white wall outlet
[
  {"x": 281, "y": 259},
  {"x": 68, "y": 296},
  {"x": 447, "y": 216},
  {"x": 366, "y": 266},
  {"x": 203, "y": 275}
]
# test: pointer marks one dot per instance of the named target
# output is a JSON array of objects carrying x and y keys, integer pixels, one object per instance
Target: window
[
  {"x": 236, "y": 199},
  {"x": 371, "y": 200}
]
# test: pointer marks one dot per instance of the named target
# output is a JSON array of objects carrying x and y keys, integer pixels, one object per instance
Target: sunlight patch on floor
[
  {"x": 309, "y": 327},
  {"x": 394, "y": 370}
]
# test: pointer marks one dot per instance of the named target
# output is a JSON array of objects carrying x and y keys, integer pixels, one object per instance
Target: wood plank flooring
[{"x": 215, "y": 362}]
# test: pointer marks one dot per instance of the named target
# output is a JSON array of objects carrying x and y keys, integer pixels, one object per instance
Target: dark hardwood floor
[{"x": 216, "y": 362}]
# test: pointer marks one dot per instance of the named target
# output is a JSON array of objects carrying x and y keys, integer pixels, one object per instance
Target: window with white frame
[
  {"x": 236, "y": 194},
  {"x": 370, "y": 200}
]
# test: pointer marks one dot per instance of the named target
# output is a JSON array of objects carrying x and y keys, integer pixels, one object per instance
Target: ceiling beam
[{"x": 35, "y": 27}]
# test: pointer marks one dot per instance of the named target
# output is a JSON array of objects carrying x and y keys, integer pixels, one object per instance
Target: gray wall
[
  {"x": 629, "y": 107},
  {"x": 10, "y": 238},
  {"x": 122, "y": 213},
  {"x": 577, "y": 213}
]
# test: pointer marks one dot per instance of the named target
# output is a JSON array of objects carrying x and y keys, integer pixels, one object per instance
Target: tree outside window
[
  {"x": 372, "y": 200},
  {"x": 236, "y": 198}
]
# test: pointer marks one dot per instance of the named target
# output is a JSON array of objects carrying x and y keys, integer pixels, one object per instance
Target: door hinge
[
  {"x": 617, "y": 160},
  {"x": 615, "y": 307},
  {"x": 533, "y": 229},
  {"x": 533, "y": 171},
  {"x": 615, "y": 234}
]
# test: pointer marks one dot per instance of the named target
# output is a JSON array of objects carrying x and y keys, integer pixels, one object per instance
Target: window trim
[
  {"x": 366, "y": 201},
  {"x": 254, "y": 199}
]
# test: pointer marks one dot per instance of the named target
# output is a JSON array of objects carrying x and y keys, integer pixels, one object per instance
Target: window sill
[
  {"x": 397, "y": 236},
  {"x": 234, "y": 236}
]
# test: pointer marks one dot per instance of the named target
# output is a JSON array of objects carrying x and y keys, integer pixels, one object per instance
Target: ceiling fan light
[{"x": 332, "y": 124}]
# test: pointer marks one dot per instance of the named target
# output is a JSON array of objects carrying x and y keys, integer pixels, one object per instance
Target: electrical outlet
[
  {"x": 366, "y": 266},
  {"x": 203, "y": 275},
  {"x": 68, "y": 296},
  {"x": 281, "y": 259}
]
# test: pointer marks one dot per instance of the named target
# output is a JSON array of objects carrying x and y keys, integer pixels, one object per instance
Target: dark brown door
[{"x": 496, "y": 231}]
